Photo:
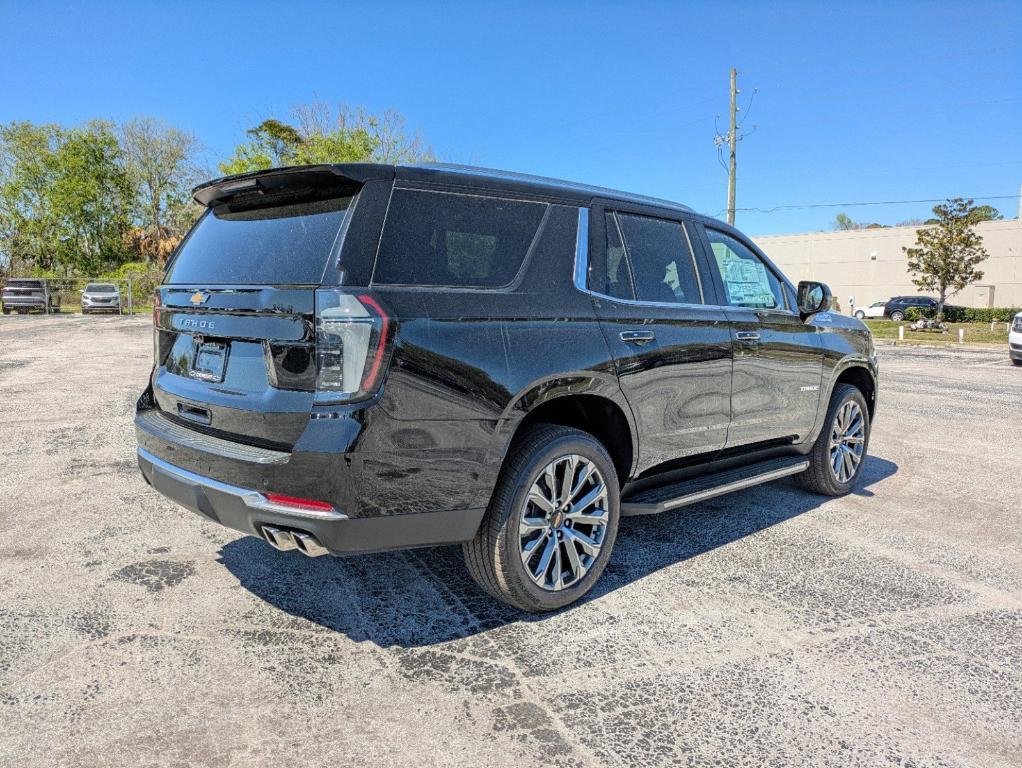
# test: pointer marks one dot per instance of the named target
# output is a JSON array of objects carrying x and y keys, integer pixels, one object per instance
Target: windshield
[
  {"x": 100, "y": 288},
  {"x": 281, "y": 245}
]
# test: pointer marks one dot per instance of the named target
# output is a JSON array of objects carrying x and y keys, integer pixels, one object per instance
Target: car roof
[
  {"x": 451, "y": 172},
  {"x": 439, "y": 173}
]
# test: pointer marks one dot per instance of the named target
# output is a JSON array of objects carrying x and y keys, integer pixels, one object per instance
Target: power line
[{"x": 802, "y": 206}]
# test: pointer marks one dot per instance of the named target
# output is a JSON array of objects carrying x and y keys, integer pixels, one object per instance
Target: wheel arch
[
  {"x": 592, "y": 404},
  {"x": 859, "y": 375}
]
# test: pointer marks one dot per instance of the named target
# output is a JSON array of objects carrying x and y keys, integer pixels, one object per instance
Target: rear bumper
[
  {"x": 247, "y": 510},
  {"x": 24, "y": 302}
]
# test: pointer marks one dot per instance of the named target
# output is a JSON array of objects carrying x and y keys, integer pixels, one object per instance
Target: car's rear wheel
[
  {"x": 860, "y": 314},
  {"x": 839, "y": 454},
  {"x": 7, "y": 310},
  {"x": 897, "y": 316},
  {"x": 552, "y": 521}
]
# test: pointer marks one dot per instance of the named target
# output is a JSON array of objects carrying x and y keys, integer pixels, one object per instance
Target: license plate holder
[{"x": 209, "y": 360}]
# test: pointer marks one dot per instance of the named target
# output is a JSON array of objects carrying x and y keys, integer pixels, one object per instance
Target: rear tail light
[
  {"x": 157, "y": 309},
  {"x": 297, "y": 503},
  {"x": 352, "y": 343}
]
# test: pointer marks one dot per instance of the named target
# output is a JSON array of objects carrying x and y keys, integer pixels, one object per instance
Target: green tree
[
  {"x": 322, "y": 134},
  {"x": 946, "y": 253},
  {"x": 844, "y": 222},
  {"x": 28, "y": 168},
  {"x": 986, "y": 213},
  {"x": 91, "y": 200},
  {"x": 162, "y": 164}
]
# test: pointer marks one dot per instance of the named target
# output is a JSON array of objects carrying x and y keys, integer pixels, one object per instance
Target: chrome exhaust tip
[
  {"x": 285, "y": 540},
  {"x": 278, "y": 538},
  {"x": 307, "y": 544}
]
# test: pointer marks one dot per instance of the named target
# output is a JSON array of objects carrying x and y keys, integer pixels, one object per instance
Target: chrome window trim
[{"x": 582, "y": 248}]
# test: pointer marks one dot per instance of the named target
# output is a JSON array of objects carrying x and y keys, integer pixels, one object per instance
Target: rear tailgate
[
  {"x": 237, "y": 361},
  {"x": 235, "y": 322}
]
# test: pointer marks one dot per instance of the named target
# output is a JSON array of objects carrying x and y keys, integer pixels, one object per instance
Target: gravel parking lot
[{"x": 766, "y": 627}]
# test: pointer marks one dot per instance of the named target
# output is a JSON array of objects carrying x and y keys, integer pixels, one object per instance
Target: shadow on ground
[{"x": 426, "y": 596}]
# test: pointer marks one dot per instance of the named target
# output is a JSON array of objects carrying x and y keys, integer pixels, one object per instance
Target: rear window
[
  {"x": 282, "y": 245},
  {"x": 24, "y": 284},
  {"x": 452, "y": 240}
]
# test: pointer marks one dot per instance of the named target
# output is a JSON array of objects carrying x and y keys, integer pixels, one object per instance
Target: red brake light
[
  {"x": 369, "y": 381},
  {"x": 294, "y": 501}
]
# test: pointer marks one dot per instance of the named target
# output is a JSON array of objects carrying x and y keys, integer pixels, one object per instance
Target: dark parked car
[
  {"x": 23, "y": 294},
  {"x": 897, "y": 307},
  {"x": 359, "y": 357}
]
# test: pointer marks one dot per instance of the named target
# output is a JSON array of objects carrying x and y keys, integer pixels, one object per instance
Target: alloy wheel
[
  {"x": 564, "y": 523},
  {"x": 847, "y": 441}
]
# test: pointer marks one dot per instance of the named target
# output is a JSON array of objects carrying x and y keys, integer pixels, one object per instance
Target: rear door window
[
  {"x": 661, "y": 261},
  {"x": 453, "y": 240},
  {"x": 280, "y": 245}
]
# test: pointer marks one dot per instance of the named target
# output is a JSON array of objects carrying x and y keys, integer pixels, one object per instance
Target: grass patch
[{"x": 975, "y": 333}]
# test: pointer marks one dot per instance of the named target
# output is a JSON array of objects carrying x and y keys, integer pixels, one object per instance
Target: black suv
[
  {"x": 897, "y": 307},
  {"x": 362, "y": 357}
]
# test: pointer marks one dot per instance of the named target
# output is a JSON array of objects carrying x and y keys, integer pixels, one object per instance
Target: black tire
[
  {"x": 1016, "y": 361},
  {"x": 493, "y": 557},
  {"x": 897, "y": 316},
  {"x": 820, "y": 477},
  {"x": 7, "y": 310},
  {"x": 860, "y": 314}
]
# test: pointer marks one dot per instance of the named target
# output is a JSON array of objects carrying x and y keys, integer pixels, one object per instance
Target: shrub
[{"x": 966, "y": 314}]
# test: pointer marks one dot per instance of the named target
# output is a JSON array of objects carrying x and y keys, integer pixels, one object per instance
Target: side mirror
[{"x": 813, "y": 297}]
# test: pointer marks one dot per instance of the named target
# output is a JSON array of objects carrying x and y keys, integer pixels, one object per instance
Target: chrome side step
[
  {"x": 679, "y": 494},
  {"x": 285, "y": 540}
]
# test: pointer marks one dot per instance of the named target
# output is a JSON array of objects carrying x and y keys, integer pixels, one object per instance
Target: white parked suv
[
  {"x": 1015, "y": 340},
  {"x": 99, "y": 297},
  {"x": 874, "y": 310}
]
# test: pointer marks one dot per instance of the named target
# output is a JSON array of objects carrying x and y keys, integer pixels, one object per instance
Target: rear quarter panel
[{"x": 467, "y": 365}]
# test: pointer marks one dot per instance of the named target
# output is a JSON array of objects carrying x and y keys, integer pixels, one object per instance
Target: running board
[{"x": 674, "y": 495}]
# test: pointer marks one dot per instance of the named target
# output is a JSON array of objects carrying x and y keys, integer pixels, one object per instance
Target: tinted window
[
  {"x": 282, "y": 245},
  {"x": 24, "y": 283},
  {"x": 660, "y": 259},
  {"x": 747, "y": 280},
  {"x": 100, "y": 288},
  {"x": 441, "y": 239},
  {"x": 613, "y": 277}
]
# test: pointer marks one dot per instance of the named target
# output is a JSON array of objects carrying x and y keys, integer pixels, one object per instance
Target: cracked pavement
[{"x": 766, "y": 627}]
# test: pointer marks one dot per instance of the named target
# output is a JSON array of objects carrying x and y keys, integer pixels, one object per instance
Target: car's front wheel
[
  {"x": 839, "y": 454},
  {"x": 551, "y": 523}
]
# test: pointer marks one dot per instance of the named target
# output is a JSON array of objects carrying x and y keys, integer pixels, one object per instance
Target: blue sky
[{"x": 855, "y": 101}]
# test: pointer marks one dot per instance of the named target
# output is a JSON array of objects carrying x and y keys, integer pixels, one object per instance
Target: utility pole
[{"x": 732, "y": 140}]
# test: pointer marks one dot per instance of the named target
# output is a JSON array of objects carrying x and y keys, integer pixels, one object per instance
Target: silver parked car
[
  {"x": 24, "y": 294},
  {"x": 101, "y": 296}
]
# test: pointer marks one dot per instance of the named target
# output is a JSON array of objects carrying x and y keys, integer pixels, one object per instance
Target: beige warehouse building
[{"x": 870, "y": 265}]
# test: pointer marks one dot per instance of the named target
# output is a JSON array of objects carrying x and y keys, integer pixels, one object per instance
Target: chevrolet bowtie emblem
[{"x": 199, "y": 298}]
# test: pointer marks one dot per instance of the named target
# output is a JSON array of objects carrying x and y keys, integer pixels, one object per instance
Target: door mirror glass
[{"x": 813, "y": 297}]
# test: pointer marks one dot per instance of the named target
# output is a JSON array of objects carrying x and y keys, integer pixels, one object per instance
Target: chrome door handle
[
  {"x": 747, "y": 336},
  {"x": 637, "y": 337}
]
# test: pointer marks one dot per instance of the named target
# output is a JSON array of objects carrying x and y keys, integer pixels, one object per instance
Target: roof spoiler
[{"x": 314, "y": 178}]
